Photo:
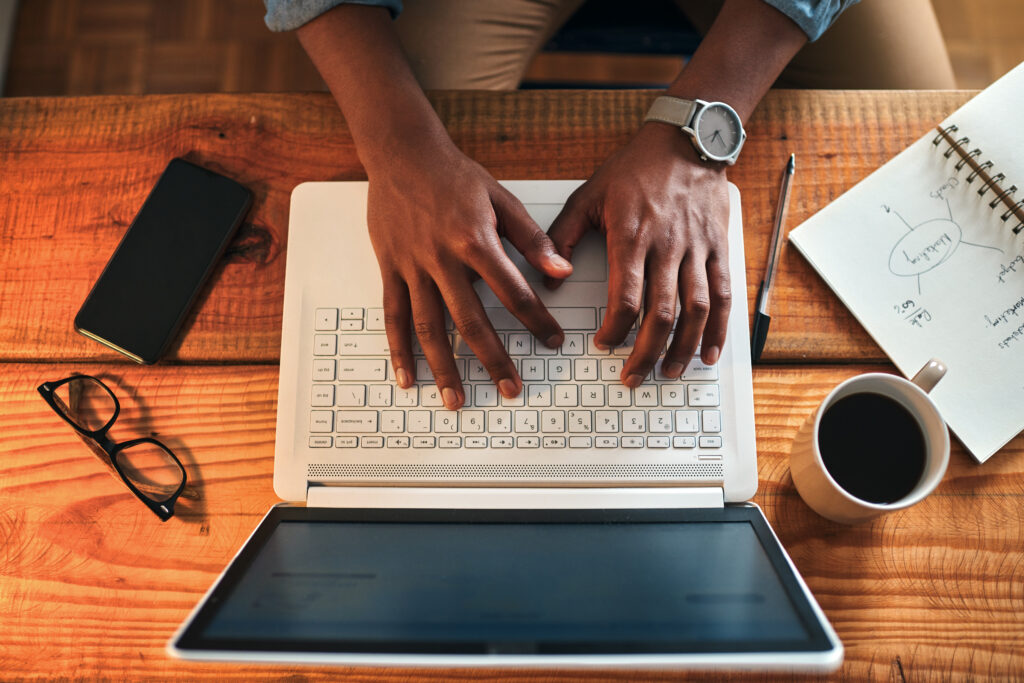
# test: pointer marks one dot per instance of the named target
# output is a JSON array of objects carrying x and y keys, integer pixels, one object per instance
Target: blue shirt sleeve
[
  {"x": 812, "y": 16},
  {"x": 287, "y": 15}
]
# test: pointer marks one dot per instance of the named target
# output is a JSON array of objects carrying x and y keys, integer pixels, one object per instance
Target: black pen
[{"x": 764, "y": 293}]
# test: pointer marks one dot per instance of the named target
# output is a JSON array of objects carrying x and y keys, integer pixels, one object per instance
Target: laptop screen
[{"x": 509, "y": 582}]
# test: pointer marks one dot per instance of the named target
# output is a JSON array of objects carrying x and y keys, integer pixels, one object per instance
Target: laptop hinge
[{"x": 508, "y": 498}]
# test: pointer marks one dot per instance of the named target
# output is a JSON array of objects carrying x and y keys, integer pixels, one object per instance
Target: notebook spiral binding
[{"x": 981, "y": 170}]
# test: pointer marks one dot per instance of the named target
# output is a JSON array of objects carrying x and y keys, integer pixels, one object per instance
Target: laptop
[{"x": 581, "y": 524}]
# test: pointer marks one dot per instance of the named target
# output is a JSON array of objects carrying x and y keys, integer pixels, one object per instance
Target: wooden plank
[
  {"x": 92, "y": 584},
  {"x": 77, "y": 169}
]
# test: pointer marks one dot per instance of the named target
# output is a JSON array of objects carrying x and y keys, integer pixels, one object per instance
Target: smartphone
[{"x": 157, "y": 271}]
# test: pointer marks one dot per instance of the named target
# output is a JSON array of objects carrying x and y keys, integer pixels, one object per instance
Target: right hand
[{"x": 436, "y": 221}]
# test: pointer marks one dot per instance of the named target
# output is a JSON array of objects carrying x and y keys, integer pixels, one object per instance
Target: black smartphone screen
[{"x": 144, "y": 293}]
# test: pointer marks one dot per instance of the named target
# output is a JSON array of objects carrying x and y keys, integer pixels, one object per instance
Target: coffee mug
[{"x": 875, "y": 444}]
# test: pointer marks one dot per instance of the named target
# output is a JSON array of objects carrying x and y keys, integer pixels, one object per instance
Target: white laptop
[{"x": 581, "y": 524}]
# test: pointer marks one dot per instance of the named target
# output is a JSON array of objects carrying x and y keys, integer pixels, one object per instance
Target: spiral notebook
[{"x": 927, "y": 253}]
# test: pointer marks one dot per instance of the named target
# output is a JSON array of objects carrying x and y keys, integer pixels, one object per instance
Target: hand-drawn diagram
[{"x": 927, "y": 245}]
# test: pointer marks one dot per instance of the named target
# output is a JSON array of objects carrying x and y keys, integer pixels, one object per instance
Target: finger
[
  {"x": 659, "y": 318},
  {"x": 428, "y": 321},
  {"x": 476, "y": 330},
  {"x": 526, "y": 236},
  {"x": 720, "y": 290},
  {"x": 625, "y": 290},
  {"x": 398, "y": 328},
  {"x": 565, "y": 233},
  {"x": 695, "y": 304}
]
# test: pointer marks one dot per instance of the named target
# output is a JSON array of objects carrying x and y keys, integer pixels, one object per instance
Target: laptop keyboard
[{"x": 572, "y": 397}]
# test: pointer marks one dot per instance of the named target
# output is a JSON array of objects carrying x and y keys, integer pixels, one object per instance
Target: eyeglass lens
[
  {"x": 151, "y": 469},
  {"x": 86, "y": 402}
]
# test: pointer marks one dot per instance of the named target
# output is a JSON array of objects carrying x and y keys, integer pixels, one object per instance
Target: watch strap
[{"x": 674, "y": 110}]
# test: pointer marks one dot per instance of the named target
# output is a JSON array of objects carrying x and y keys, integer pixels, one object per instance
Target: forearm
[
  {"x": 745, "y": 50},
  {"x": 357, "y": 53}
]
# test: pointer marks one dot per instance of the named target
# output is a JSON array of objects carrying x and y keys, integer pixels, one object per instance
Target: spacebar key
[
  {"x": 568, "y": 318},
  {"x": 361, "y": 370}
]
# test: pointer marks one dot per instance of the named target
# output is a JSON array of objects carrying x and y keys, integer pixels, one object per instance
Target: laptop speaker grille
[{"x": 643, "y": 472}]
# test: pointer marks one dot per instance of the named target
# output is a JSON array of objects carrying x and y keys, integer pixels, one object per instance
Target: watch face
[{"x": 719, "y": 131}]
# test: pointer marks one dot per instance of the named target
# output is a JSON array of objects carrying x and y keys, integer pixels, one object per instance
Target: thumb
[
  {"x": 526, "y": 236},
  {"x": 565, "y": 233}
]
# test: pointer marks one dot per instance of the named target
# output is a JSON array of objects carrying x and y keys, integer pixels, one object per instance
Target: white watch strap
[{"x": 678, "y": 112}]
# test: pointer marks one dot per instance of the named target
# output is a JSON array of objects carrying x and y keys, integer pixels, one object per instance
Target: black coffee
[{"x": 872, "y": 446}]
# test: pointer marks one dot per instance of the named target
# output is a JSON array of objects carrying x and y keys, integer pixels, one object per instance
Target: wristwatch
[{"x": 714, "y": 127}]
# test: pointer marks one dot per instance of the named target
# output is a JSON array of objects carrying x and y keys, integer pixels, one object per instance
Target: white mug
[{"x": 817, "y": 486}]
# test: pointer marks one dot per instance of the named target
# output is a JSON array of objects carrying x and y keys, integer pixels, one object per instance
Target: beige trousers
[{"x": 488, "y": 44}]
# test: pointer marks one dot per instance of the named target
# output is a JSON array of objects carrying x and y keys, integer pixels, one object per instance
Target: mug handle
[{"x": 928, "y": 376}]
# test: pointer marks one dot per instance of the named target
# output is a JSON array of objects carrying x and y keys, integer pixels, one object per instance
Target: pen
[{"x": 764, "y": 293}]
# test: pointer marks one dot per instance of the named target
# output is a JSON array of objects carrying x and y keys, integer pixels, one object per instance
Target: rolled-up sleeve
[
  {"x": 287, "y": 15},
  {"x": 812, "y": 16}
]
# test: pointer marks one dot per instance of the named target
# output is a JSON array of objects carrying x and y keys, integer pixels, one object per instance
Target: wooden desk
[{"x": 92, "y": 584}]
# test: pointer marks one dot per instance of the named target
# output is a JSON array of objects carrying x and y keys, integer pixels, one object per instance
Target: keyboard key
[
  {"x": 659, "y": 421},
  {"x": 526, "y": 421},
  {"x": 585, "y": 369},
  {"x": 553, "y": 442},
  {"x": 351, "y": 325},
  {"x": 407, "y": 398},
  {"x": 673, "y": 395},
  {"x": 607, "y": 442},
  {"x": 538, "y": 395},
  {"x": 552, "y": 421},
  {"x": 592, "y": 396},
  {"x": 520, "y": 344},
  {"x": 513, "y": 402},
  {"x": 476, "y": 442},
  {"x": 686, "y": 421},
  {"x": 326, "y": 319},
  {"x": 356, "y": 421},
  {"x": 321, "y": 421},
  {"x": 446, "y": 421},
  {"x": 700, "y": 372},
  {"x": 450, "y": 442},
  {"x": 574, "y": 345},
  {"x": 319, "y": 442},
  {"x": 372, "y": 441},
  {"x": 712, "y": 421},
  {"x": 375, "y": 319},
  {"x": 581, "y": 442},
  {"x": 485, "y": 395},
  {"x": 619, "y": 396},
  {"x": 398, "y": 442},
  {"x": 710, "y": 442},
  {"x": 544, "y": 350},
  {"x": 430, "y": 397},
  {"x": 634, "y": 421},
  {"x": 593, "y": 350},
  {"x": 567, "y": 395},
  {"x": 581, "y": 421},
  {"x": 702, "y": 394},
  {"x": 361, "y": 370},
  {"x": 351, "y": 395},
  {"x": 380, "y": 396},
  {"x": 528, "y": 442},
  {"x": 626, "y": 347},
  {"x": 472, "y": 421},
  {"x": 363, "y": 345},
  {"x": 532, "y": 370},
  {"x": 499, "y": 421},
  {"x": 392, "y": 421},
  {"x": 346, "y": 442},
  {"x": 645, "y": 396},
  {"x": 323, "y": 370},
  {"x": 611, "y": 368},
  {"x": 559, "y": 370},
  {"x": 570, "y": 319},
  {"x": 632, "y": 442},
  {"x": 684, "y": 442},
  {"x": 418, "y": 421},
  {"x": 351, "y": 314},
  {"x": 424, "y": 442},
  {"x": 657, "y": 442},
  {"x": 606, "y": 421},
  {"x": 325, "y": 344},
  {"x": 323, "y": 396},
  {"x": 423, "y": 371},
  {"x": 502, "y": 442}
]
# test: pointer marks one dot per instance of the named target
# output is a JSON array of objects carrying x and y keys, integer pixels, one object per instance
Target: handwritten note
[{"x": 922, "y": 255}]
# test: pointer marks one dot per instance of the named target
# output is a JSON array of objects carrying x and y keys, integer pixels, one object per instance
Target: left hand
[{"x": 665, "y": 217}]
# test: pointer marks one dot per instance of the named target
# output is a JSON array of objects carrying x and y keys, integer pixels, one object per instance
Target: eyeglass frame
[{"x": 163, "y": 509}]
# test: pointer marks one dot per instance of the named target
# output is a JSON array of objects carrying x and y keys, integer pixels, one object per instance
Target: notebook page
[{"x": 930, "y": 270}]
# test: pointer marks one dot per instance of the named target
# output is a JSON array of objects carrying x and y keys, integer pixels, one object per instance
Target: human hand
[
  {"x": 665, "y": 217},
  {"x": 436, "y": 221}
]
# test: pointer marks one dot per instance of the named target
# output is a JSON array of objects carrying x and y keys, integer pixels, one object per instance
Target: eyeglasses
[{"x": 149, "y": 468}]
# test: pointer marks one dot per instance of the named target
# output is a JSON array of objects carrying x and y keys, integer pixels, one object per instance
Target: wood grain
[
  {"x": 92, "y": 584},
  {"x": 76, "y": 170}
]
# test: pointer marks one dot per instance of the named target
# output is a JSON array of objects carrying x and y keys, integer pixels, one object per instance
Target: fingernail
[
  {"x": 710, "y": 355},
  {"x": 672, "y": 370},
  {"x": 450, "y": 398},
  {"x": 507, "y": 388},
  {"x": 559, "y": 261},
  {"x": 633, "y": 381},
  {"x": 554, "y": 341},
  {"x": 403, "y": 378}
]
